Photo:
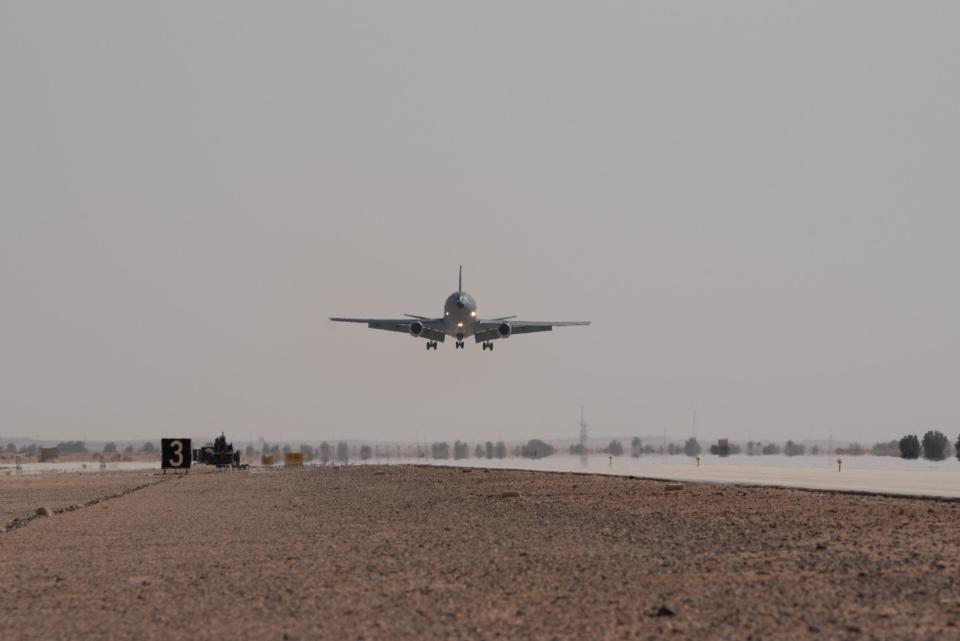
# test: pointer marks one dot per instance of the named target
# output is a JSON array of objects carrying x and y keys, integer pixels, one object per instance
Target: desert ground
[{"x": 404, "y": 552}]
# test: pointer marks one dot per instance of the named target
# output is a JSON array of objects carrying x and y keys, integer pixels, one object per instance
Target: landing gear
[
  {"x": 431, "y": 345},
  {"x": 488, "y": 345},
  {"x": 459, "y": 345}
]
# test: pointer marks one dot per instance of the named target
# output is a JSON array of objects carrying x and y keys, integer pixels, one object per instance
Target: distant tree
[
  {"x": 615, "y": 448},
  {"x": 488, "y": 449},
  {"x": 935, "y": 445},
  {"x": 956, "y": 447},
  {"x": 910, "y": 447},
  {"x": 308, "y": 452},
  {"x": 461, "y": 450},
  {"x": 673, "y": 449},
  {"x": 148, "y": 448},
  {"x": 854, "y": 449},
  {"x": 128, "y": 449},
  {"x": 110, "y": 448},
  {"x": 794, "y": 449},
  {"x": 500, "y": 450},
  {"x": 889, "y": 448},
  {"x": 753, "y": 448},
  {"x": 636, "y": 447},
  {"x": 275, "y": 449},
  {"x": 249, "y": 452},
  {"x": 816, "y": 450},
  {"x": 691, "y": 447},
  {"x": 11, "y": 448},
  {"x": 343, "y": 452},
  {"x": 649, "y": 449},
  {"x": 535, "y": 448},
  {"x": 577, "y": 449},
  {"x": 365, "y": 452},
  {"x": 771, "y": 449},
  {"x": 72, "y": 447},
  {"x": 478, "y": 451},
  {"x": 440, "y": 450},
  {"x": 30, "y": 449},
  {"x": 287, "y": 449},
  {"x": 324, "y": 452}
]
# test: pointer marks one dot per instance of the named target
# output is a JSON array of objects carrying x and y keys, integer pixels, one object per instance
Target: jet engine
[
  {"x": 504, "y": 330},
  {"x": 416, "y": 328}
]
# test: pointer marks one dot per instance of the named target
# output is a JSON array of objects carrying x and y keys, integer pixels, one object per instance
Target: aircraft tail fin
[{"x": 460, "y": 281}]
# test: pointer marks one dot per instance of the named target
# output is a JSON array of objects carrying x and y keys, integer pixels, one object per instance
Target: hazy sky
[{"x": 755, "y": 202}]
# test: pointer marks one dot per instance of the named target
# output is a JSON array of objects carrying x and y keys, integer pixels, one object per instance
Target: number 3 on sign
[{"x": 175, "y": 453}]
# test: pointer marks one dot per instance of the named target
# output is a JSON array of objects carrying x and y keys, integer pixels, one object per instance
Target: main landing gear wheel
[
  {"x": 431, "y": 345},
  {"x": 488, "y": 345},
  {"x": 459, "y": 344}
]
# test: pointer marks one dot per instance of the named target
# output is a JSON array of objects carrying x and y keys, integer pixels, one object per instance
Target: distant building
[
  {"x": 48, "y": 454},
  {"x": 722, "y": 448}
]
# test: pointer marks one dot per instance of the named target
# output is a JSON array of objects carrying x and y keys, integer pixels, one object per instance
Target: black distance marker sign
[{"x": 175, "y": 453}]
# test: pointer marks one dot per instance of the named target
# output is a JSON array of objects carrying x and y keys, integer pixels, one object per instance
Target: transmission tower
[{"x": 583, "y": 434}]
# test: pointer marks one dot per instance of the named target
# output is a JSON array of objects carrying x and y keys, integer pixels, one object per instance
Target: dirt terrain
[{"x": 441, "y": 553}]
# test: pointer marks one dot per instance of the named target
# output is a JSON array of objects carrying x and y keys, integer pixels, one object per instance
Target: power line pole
[{"x": 583, "y": 438}]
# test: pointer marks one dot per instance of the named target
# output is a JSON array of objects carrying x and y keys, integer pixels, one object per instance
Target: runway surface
[
  {"x": 368, "y": 552},
  {"x": 874, "y": 474}
]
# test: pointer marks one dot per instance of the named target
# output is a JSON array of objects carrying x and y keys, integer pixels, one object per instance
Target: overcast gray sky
[{"x": 755, "y": 202}]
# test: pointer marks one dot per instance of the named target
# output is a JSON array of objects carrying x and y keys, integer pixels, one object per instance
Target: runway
[{"x": 871, "y": 474}]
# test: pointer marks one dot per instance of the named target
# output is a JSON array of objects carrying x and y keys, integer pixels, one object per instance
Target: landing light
[
  {"x": 473, "y": 314},
  {"x": 460, "y": 324}
]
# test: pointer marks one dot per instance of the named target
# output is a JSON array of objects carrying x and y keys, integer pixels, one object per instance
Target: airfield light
[
  {"x": 460, "y": 324},
  {"x": 473, "y": 314}
]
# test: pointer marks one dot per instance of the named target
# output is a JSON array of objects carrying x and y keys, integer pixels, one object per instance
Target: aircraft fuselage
[{"x": 460, "y": 315}]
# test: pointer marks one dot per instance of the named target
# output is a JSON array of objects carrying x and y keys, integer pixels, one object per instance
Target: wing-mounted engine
[
  {"x": 418, "y": 330},
  {"x": 502, "y": 329}
]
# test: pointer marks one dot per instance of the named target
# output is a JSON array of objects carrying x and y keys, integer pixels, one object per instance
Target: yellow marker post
[
  {"x": 839, "y": 464},
  {"x": 293, "y": 459},
  {"x": 266, "y": 459},
  {"x": 698, "y": 461}
]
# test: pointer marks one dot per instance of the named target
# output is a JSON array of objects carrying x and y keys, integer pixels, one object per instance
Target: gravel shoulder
[
  {"x": 21, "y": 496},
  {"x": 429, "y": 553}
]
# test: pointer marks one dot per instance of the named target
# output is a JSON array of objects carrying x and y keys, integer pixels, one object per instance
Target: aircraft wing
[
  {"x": 432, "y": 327},
  {"x": 488, "y": 330}
]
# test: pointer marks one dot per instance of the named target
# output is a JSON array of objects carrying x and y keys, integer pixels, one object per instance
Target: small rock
[
  {"x": 673, "y": 488},
  {"x": 511, "y": 494},
  {"x": 43, "y": 511},
  {"x": 665, "y": 611},
  {"x": 821, "y": 546}
]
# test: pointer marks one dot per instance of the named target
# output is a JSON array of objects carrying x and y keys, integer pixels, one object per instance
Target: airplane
[{"x": 459, "y": 320}]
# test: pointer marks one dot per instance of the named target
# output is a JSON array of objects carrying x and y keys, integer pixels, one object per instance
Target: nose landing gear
[
  {"x": 431, "y": 345},
  {"x": 488, "y": 345},
  {"x": 459, "y": 344}
]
